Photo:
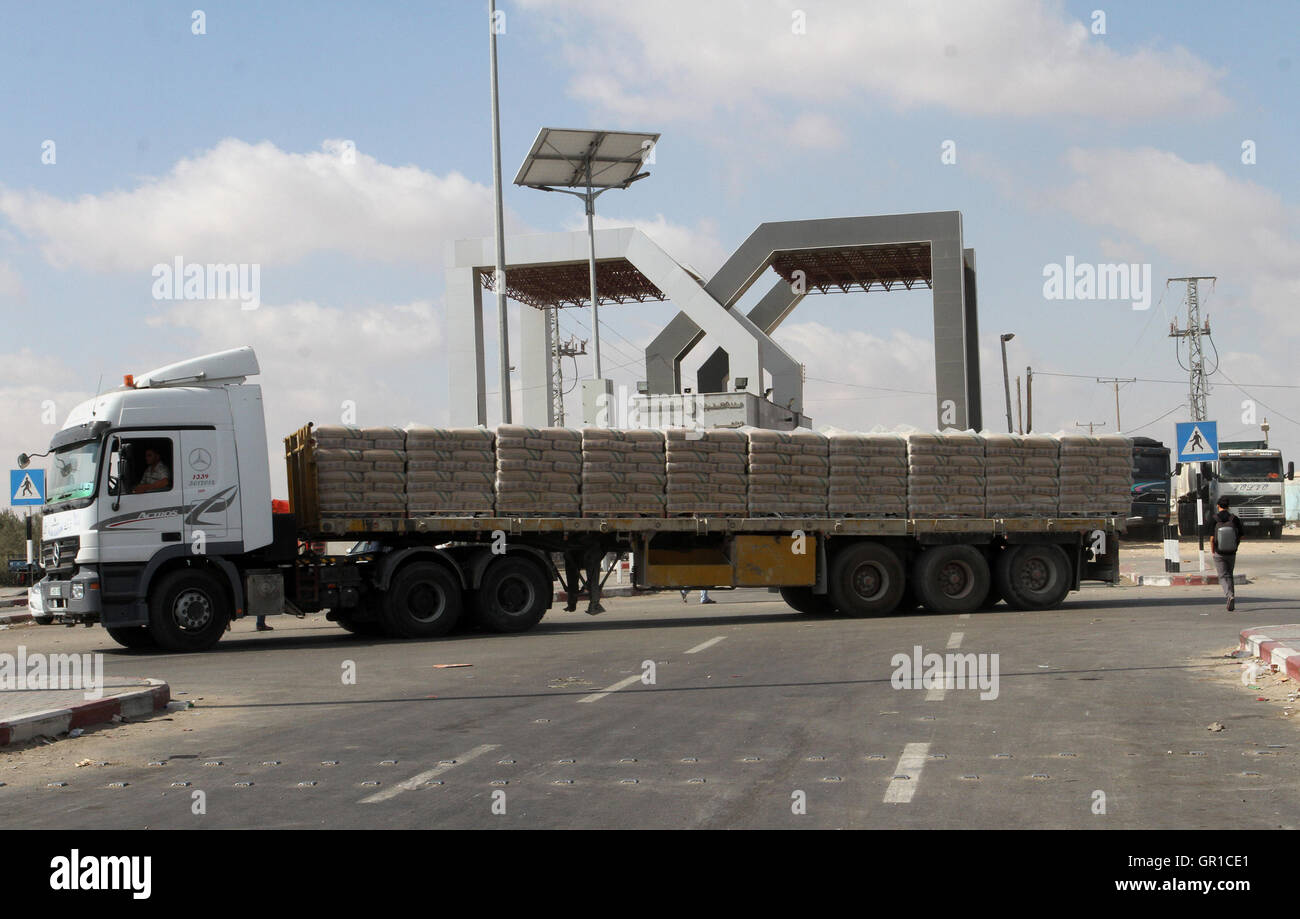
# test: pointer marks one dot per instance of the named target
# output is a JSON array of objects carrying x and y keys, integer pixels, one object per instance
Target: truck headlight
[{"x": 78, "y": 590}]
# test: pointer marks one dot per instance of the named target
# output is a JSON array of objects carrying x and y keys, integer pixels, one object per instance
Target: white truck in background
[
  {"x": 169, "y": 560},
  {"x": 1249, "y": 474}
]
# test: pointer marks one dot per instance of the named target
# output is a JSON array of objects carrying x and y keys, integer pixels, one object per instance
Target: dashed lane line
[
  {"x": 621, "y": 684},
  {"x": 907, "y": 774},
  {"x": 418, "y": 780},
  {"x": 706, "y": 644}
]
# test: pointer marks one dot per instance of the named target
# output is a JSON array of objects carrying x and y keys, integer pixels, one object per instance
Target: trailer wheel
[
  {"x": 136, "y": 637},
  {"x": 866, "y": 579},
  {"x": 423, "y": 601},
  {"x": 188, "y": 611},
  {"x": 1033, "y": 575},
  {"x": 803, "y": 600},
  {"x": 951, "y": 579},
  {"x": 513, "y": 596}
]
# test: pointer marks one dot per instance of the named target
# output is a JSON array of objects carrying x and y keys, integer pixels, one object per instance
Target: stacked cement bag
[
  {"x": 868, "y": 475},
  {"x": 789, "y": 473},
  {"x": 707, "y": 471},
  {"x": 1096, "y": 475},
  {"x": 539, "y": 471},
  {"x": 1022, "y": 475},
  {"x": 360, "y": 471},
  {"x": 623, "y": 473},
  {"x": 945, "y": 475},
  {"x": 450, "y": 471}
]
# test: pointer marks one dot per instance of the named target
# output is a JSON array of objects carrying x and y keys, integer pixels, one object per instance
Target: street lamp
[{"x": 1006, "y": 379}]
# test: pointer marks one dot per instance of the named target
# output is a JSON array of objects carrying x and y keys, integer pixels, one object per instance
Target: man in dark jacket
[{"x": 1225, "y": 556}]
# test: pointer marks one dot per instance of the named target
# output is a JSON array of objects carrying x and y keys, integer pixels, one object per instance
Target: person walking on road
[
  {"x": 704, "y": 595},
  {"x": 1225, "y": 536}
]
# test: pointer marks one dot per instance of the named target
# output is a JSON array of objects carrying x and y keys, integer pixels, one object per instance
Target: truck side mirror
[
  {"x": 1290, "y": 470},
  {"x": 1178, "y": 469}
]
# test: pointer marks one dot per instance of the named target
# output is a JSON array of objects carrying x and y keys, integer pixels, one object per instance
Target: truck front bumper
[{"x": 74, "y": 599}]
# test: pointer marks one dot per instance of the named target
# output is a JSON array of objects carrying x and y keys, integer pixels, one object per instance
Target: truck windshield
[
  {"x": 1251, "y": 469},
  {"x": 1146, "y": 468},
  {"x": 73, "y": 473}
]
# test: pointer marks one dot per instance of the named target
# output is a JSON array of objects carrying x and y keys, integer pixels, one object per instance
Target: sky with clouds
[{"x": 339, "y": 147}]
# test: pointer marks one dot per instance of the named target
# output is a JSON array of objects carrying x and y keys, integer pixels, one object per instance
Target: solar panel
[{"x": 559, "y": 158}]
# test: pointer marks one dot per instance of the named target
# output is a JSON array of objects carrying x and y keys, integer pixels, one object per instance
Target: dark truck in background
[{"x": 1152, "y": 488}]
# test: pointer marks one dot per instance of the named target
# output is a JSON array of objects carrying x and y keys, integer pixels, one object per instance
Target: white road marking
[
  {"x": 418, "y": 780},
  {"x": 910, "y": 764},
  {"x": 621, "y": 684},
  {"x": 706, "y": 644},
  {"x": 938, "y": 693}
]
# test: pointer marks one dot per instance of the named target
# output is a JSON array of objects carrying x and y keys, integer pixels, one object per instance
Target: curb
[
  {"x": 138, "y": 704},
  {"x": 11, "y": 618},
  {"x": 1284, "y": 657},
  {"x": 1178, "y": 580},
  {"x": 13, "y": 601}
]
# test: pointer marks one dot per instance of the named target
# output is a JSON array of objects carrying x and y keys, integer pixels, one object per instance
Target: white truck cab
[
  {"x": 166, "y": 476},
  {"x": 1250, "y": 475}
]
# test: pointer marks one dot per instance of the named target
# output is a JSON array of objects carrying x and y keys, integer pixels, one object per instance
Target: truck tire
[
  {"x": 1187, "y": 519},
  {"x": 803, "y": 600},
  {"x": 422, "y": 601},
  {"x": 1033, "y": 575},
  {"x": 514, "y": 595},
  {"x": 136, "y": 637},
  {"x": 951, "y": 579},
  {"x": 866, "y": 579},
  {"x": 188, "y": 610},
  {"x": 1275, "y": 532}
]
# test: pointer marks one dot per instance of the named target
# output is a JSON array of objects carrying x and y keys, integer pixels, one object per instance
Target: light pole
[
  {"x": 499, "y": 277},
  {"x": 1006, "y": 378}
]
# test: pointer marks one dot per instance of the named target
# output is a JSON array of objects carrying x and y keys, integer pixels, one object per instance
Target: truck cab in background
[
  {"x": 1249, "y": 474},
  {"x": 1151, "y": 487}
]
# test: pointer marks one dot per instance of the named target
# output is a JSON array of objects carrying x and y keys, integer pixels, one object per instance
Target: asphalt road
[{"x": 755, "y": 713}]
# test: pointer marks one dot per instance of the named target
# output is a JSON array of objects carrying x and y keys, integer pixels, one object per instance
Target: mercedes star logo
[{"x": 200, "y": 459}]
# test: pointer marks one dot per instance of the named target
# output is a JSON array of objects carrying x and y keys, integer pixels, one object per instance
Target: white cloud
[
  {"x": 36, "y": 394},
  {"x": 1020, "y": 58},
  {"x": 11, "y": 283},
  {"x": 1200, "y": 218},
  {"x": 255, "y": 203}
]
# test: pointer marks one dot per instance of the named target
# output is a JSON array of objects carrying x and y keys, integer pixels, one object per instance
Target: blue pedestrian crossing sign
[
  {"x": 26, "y": 487},
  {"x": 1198, "y": 441}
]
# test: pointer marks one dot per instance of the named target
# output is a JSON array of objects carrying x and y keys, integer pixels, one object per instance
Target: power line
[{"x": 1093, "y": 376}]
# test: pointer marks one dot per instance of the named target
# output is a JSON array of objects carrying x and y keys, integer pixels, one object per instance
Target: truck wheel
[
  {"x": 133, "y": 636},
  {"x": 1186, "y": 519},
  {"x": 803, "y": 600},
  {"x": 423, "y": 601},
  {"x": 1033, "y": 576},
  {"x": 866, "y": 579},
  {"x": 1275, "y": 532},
  {"x": 188, "y": 611},
  {"x": 951, "y": 579},
  {"x": 514, "y": 595}
]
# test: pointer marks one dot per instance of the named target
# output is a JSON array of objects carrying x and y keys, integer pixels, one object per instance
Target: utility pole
[
  {"x": 1116, "y": 381},
  {"x": 1196, "y": 329},
  {"x": 499, "y": 277},
  {"x": 1029, "y": 400},
  {"x": 1006, "y": 383},
  {"x": 559, "y": 351},
  {"x": 1090, "y": 425},
  {"x": 1020, "y": 416}
]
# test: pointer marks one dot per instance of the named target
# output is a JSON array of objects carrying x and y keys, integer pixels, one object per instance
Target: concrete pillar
[
  {"x": 466, "y": 380},
  {"x": 535, "y": 368}
]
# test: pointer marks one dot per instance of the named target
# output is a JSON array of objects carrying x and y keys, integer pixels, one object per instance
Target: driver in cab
[{"x": 157, "y": 477}]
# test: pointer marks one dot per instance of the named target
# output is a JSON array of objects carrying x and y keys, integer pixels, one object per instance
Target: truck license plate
[{"x": 56, "y": 590}]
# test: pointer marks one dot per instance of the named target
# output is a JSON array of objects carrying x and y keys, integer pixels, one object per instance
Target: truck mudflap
[{"x": 1099, "y": 557}]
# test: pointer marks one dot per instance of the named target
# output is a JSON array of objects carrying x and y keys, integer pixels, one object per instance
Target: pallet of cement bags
[
  {"x": 360, "y": 471},
  {"x": 539, "y": 471},
  {"x": 707, "y": 472},
  {"x": 623, "y": 473},
  {"x": 1096, "y": 475},
  {"x": 868, "y": 475},
  {"x": 788, "y": 473},
  {"x": 450, "y": 471},
  {"x": 945, "y": 475},
  {"x": 1022, "y": 475}
]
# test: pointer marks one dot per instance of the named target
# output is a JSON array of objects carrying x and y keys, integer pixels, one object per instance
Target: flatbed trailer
[{"x": 171, "y": 565}]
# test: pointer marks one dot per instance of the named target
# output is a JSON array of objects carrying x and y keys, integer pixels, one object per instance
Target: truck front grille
[{"x": 59, "y": 554}]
